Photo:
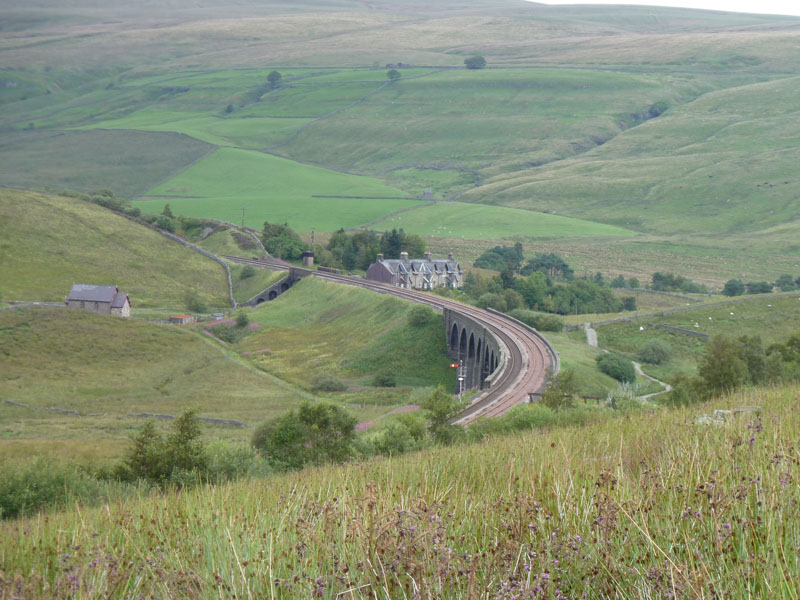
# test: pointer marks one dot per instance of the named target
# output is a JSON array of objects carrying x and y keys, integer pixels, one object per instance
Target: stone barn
[{"x": 106, "y": 299}]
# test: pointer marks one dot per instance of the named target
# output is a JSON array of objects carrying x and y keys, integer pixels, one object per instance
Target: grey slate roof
[
  {"x": 119, "y": 300},
  {"x": 93, "y": 293}
]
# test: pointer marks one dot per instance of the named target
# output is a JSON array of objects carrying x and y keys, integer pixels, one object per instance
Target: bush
[
  {"x": 315, "y": 433},
  {"x": 624, "y": 399},
  {"x": 560, "y": 391},
  {"x": 385, "y": 378},
  {"x": 195, "y": 303},
  {"x": 43, "y": 483},
  {"x": 325, "y": 382},
  {"x": 419, "y": 316},
  {"x": 655, "y": 352},
  {"x": 242, "y": 320},
  {"x": 398, "y": 436},
  {"x": 229, "y": 334},
  {"x": 616, "y": 366},
  {"x": 247, "y": 272},
  {"x": 542, "y": 322},
  {"x": 475, "y": 62}
]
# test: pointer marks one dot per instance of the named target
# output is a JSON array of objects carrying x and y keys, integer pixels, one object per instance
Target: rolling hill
[{"x": 50, "y": 242}]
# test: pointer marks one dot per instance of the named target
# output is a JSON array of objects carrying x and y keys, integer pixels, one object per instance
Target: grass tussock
[{"x": 655, "y": 506}]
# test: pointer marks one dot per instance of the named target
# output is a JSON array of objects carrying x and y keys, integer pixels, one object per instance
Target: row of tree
[{"x": 736, "y": 287}]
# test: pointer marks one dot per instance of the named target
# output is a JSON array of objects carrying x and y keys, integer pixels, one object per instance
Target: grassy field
[
  {"x": 635, "y": 507},
  {"x": 474, "y": 221},
  {"x": 51, "y": 242},
  {"x": 107, "y": 368},
  {"x": 770, "y": 317},
  {"x": 325, "y": 328},
  {"x": 273, "y": 189}
]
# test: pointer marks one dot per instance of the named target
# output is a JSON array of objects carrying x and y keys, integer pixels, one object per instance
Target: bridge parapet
[
  {"x": 277, "y": 288},
  {"x": 475, "y": 347}
]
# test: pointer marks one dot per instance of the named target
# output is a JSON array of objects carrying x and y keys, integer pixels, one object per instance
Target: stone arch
[
  {"x": 454, "y": 337},
  {"x": 478, "y": 355},
  {"x": 260, "y": 300},
  {"x": 471, "y": 351},
  {"x": 272, "y": 295},
  {"x": 462, "y": 345},
  {"x": 491, "y": 362},
  {"x": 285, "y": 286}
]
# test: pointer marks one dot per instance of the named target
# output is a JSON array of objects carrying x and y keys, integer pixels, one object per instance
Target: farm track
[{"x": 528, "y": 358}]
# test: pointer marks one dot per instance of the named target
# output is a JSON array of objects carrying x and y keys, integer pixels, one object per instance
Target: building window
[{"x": 83, "y": 304}]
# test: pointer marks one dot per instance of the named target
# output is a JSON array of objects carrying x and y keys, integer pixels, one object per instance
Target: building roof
[
  {"x": 416, "y": 265},
  {"x": 119, "y": 300},
  {"x": 93, "y": 293}
]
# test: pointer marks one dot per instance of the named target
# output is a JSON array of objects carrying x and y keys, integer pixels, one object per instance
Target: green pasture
[
  {"x": 252, "y": 132},
  {"x": 111, "y": 367},
  {"x": 273, "y": 189},
  {"x": 325, "y": 328},
  {"x": 473, "y": 221},
  {"x": 51, "y": 242},
  {"x": 772, "y": 317}
]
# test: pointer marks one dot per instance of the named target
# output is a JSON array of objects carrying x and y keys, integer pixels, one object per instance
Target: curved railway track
[{"x": 528, "y": 357}]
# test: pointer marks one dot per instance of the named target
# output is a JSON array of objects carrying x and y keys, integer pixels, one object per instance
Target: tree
[
  {"x": 786, "y": 283},
  {"x": 628, "y": 302},
  {"x": 247, "y": 272},
  {"x": 733, "y": 287},
  {"x": 440, "y": 407},
  {"x": 274, "y": 78},
  {"x": 475, "y": 62},
  {"x": 229, "y": 109},
  {"x": 420, "y": 316},
  {"x": 720, "y": 367},
  {"x": 634, "y": 283},
  {"x": 167, "y": 212},
  {"x": 242, "y": 320},
  {"x": 393, "y": 75},
  {"x": 758, "y": 287},
  {"x": 282, "y": 241},
  {"x": 618, "y": 282}
]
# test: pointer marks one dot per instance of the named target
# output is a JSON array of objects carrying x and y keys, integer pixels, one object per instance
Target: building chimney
[
  {"x": 404, "y": 256},
  {"x": 427, "y": 256},
  {"x": 380, "y": 257}
]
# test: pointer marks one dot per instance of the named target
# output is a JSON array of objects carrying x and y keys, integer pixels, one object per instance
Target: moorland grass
[
  {"x": 125, "y": 162},
  {"x": 645, "y": 506},
  {"x": 51, "y": 242}
]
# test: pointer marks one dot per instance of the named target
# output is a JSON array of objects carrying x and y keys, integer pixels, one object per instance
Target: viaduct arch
[{"x": 475, "y": 347}]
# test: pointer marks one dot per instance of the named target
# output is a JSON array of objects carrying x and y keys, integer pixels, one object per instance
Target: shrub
[
  {"x": 313, "y": 434},
  {"x": 195, "y": 303},
  {"x": 542, "y": 322},
  {"x": 241, "y": 319},
  {"x": 229, "y": 334},
  {"x": 616, "y": 366},
  {"x": 655, "y": 352},
  {"x": 385, "y": 378},
  {"x": 43, "y": 483},
  {"x": 475, "y": 62},
  {"x": 247, "y": 272},
  {"x": 420, "y": 315},
  {"x": 325, "y": 382},
  {"x": 624, "y": 398},
  {"x": 560, "y": 391}
]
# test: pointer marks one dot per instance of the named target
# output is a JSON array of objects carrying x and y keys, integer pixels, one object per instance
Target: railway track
[{"x": 528, "y": 357}]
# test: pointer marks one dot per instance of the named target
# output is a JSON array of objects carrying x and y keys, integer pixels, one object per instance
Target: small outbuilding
[
  {"x": 106, "y": 299},
  {"x": 182, "y": 319}
]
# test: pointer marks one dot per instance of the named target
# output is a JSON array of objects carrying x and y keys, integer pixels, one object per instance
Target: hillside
[
  {"x": 50, "y": 242},
  {"x": 634, "y": 117},
  {"x": 626, "y": 507},
  {"x": 111, "y": 367}
]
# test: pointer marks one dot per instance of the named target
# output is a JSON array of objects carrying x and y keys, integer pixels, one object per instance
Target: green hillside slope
[
  {"x": 723, "y": 164},
  {"x": 111, "y": 367},
  {"x": 50, "y": 242}
]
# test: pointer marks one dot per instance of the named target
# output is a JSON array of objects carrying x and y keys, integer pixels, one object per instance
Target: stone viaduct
[
  {"x": 473, "y": 346},
  {"x": 277, "y": 288}
]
